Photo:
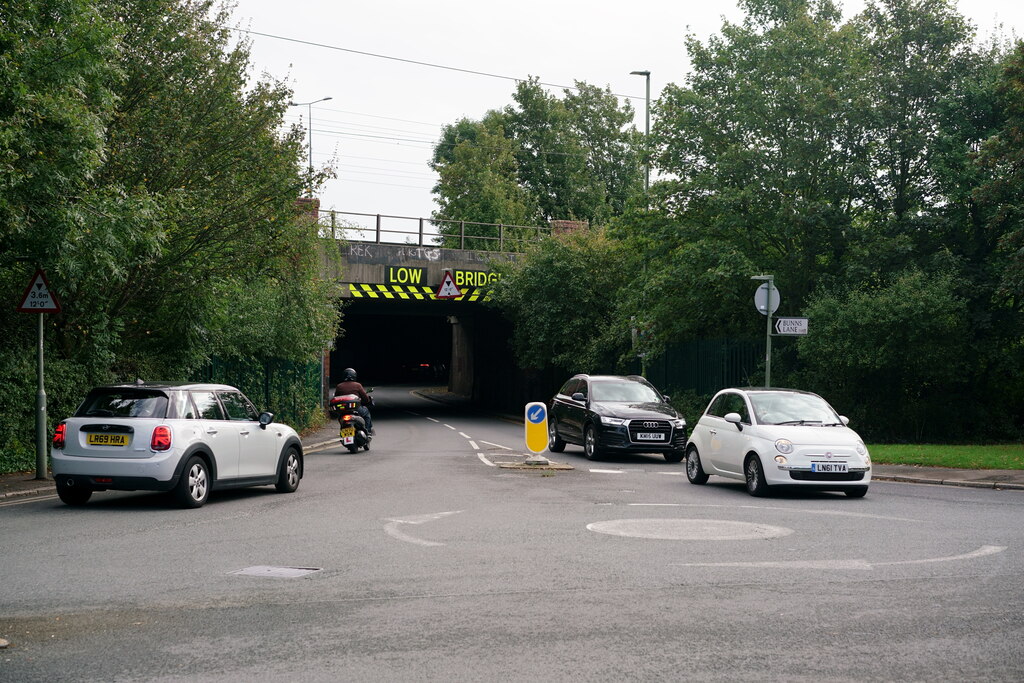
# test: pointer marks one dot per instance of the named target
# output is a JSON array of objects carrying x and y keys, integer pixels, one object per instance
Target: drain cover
[{"x": 277, "y": 572}]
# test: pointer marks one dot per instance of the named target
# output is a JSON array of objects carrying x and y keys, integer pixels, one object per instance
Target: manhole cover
[
  {"x": 689, "y": 529},
  {"x": 277, "y": 572}
]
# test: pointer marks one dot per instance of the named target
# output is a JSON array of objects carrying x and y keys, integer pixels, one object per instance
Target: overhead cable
[{"x": 413, "y": 61}]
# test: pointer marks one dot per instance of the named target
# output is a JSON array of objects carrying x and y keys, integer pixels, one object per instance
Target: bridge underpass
[{"x": 396, "y": 330}]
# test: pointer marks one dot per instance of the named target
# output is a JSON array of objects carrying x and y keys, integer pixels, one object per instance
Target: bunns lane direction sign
[
  {"x": 39, "y": 298},
  {"x": 790, "y": 327}
]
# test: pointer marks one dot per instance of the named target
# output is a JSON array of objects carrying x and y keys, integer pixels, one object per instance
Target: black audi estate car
[{"x": 613, "y": 414}]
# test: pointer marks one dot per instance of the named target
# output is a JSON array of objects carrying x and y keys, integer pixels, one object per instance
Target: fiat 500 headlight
[
  {"x": 612, "y": 420},
  {"x": 863, "y": 451},
  {"x": 784, "y": 446}
]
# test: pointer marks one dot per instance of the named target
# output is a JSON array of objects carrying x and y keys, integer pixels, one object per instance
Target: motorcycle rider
[{"x": 350, "y": 385}]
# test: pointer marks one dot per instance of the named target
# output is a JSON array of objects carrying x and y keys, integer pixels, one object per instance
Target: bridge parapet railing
[{"x": 384, "y": 229}]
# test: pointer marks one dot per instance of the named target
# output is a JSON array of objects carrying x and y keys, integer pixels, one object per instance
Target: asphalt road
[{"x": 435, "y": 563}]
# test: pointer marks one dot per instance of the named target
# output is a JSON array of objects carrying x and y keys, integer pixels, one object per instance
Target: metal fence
[
  {"x": 706, "y": 365},
  {"x": 382, "y": 228},
  {"x": 292, "y": 391}
]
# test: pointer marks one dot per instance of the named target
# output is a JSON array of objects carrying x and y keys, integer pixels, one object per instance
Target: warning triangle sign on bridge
[
  {"x": 448, "y": 289},
  {"x": 38, "y": 298}
]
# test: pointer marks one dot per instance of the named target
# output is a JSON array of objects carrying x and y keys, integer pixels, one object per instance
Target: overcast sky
[{"x": 384, "y": 115}]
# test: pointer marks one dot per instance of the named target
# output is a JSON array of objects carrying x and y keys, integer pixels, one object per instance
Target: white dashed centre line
[
  {"x": 496, "y": 445},
  {"x": 472, "y": 444},
  {"x": 608, "y": 471},
  {"x": 655, "y": 505},
  {"x": 464, "y": 435},
  {"x": 450, "y": 427},
  {"x": 433, "y": 420}
]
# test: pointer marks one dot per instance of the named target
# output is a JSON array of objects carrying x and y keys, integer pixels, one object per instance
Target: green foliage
[
  {"x": 1002, "y": 194},
  {"x": 893, "y": 357},
  {"x": 543, "y": 158},
  {"x": 290, "y": 390},
  {"x": 561, "y": 300},
  {"x": 844, "y": 159},
  {"x": 996, "y": 456},
  {"x": 150, "y": 178},
  {"x": 477, "y": 167}
]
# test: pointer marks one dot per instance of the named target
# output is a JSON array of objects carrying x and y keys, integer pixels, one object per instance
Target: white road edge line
[
  {"x": 21, "y": 500},
  {"x": 608, "y": 471},
  {"x": 485, "y": 460}
]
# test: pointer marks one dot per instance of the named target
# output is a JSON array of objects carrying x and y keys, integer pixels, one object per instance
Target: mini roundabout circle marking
[{"x": 689, "y": 529}]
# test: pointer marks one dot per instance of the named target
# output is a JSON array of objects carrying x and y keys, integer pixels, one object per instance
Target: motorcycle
[{"x": 352, "y": 426}]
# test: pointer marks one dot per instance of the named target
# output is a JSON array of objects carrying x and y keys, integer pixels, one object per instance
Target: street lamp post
[
  {"x": 647, "y": 130},
  {"x": 309, "y": 124}
]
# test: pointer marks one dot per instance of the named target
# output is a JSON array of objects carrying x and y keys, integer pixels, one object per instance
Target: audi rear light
[
  {"x": 58, "y": 436},
  {"x": 161, "y": 438}
]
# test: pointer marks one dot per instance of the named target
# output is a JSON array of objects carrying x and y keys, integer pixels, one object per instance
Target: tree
[
  {"x": 478, "y": 181},
  {"x": 562, "y": 299},
  {"x": 58, "y": 77},
  {"x": 763, "y": 151},
  {"x": 895, "y": 357},
  {"x": 542, "y": 158},
  {"x": 163, "y": 207},
  {"x": 200, "y": 144}
]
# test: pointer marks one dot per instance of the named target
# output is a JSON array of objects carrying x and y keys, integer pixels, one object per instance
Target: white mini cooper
[
  {"x": 777, "y": 437},
  {"x": 185, "y": 438}
]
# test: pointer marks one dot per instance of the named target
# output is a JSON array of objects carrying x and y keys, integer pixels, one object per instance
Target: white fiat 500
[
  {"x": 777, "y": 437},
  {"x": 189, "y": 439}
]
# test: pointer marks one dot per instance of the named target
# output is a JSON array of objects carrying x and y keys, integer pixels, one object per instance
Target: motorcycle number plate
[{"x": 347, "y": 432}]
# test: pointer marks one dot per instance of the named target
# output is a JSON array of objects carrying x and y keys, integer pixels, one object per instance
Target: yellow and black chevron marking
[{"x": 413, "y": 293}]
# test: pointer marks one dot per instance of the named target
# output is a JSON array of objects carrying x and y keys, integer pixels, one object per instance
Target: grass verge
[{"x": 994, "y": 457}]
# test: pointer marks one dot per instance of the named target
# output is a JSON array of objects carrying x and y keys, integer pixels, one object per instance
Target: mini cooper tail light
[
  {"x": 161, "y": 438},
  {"x": 59, "y": 435}
]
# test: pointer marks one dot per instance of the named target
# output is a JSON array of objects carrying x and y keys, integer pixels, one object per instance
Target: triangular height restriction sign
[
  {"x": 38, "y": 298},
  {"x": 448, "y": 290}
]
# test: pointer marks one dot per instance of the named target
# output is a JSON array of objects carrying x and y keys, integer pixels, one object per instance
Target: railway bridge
[{"x": 396, "y": 327}]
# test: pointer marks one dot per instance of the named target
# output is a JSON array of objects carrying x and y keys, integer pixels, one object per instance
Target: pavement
[{"x": 26, "y": 484}]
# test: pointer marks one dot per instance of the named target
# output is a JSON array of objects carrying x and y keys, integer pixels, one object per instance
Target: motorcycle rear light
[
  {"x": 59, "y": 435},
  {"x": 346, "y": 418},
  {"x": 161, "y": 440}
]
